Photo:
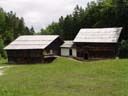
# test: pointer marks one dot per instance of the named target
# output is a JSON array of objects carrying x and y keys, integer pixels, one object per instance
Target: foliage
[
  {"x": 103, "y": 13},
  {"x": 2, "y": 52},
  {"x": 11, "y": 27},
  {"x": 124, "y": 49},
  {"x": 3, "y": 61},
  {"x": 66, "y": 77}
]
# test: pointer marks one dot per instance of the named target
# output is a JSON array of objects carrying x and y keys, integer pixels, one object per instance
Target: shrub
[
  {"x": 2, "y": 52},
  {"x": 123, "y": 49}
]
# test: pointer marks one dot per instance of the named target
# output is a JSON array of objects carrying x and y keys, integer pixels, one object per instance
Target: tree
[
  {"x": 124, "y": 49},
  {"x": 32, "y": 31},
  {"x": 2, "y": 21},
  {"x": 11, "y": 27},
  {"x": 103, "y": 13},
  {"x": 2, "y": 52}
]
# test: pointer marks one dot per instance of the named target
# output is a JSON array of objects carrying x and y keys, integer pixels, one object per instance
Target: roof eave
[
  {"x": 96, "y": 42},
  {"x": 26, "y": 49}
]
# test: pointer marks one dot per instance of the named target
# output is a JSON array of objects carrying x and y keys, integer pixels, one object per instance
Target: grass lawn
[
  {"x": 67, "y": 77},
  {"x": 3, "y": 61}
]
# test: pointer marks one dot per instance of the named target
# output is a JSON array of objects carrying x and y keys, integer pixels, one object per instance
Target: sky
[{"x": 41, "y": 13}]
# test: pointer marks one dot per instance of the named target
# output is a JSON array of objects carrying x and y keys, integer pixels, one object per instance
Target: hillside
[{"x": 66, "y": 77}]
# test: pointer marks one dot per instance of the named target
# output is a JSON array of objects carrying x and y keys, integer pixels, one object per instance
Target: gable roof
[
  {"x": 67, "y": 44},
  {"x": 98, "y": 35},
  {"x": 31, "y": 42}
]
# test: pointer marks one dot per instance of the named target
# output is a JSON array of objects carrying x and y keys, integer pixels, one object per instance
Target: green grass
[
  {"x": 66, "y": 77},
  {"x": 3, "y": 61}
]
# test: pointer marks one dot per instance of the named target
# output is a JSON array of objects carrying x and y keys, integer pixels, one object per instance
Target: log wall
[{"x": 96, "y": 51}]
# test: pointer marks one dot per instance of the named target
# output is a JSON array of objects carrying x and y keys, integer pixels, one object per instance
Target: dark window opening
[
  {"x": 70, "y": 52},
  {"x": 86, "y": 56}
]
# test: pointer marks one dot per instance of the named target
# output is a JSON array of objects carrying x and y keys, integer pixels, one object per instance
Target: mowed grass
[{"x": 67, "y": 77}]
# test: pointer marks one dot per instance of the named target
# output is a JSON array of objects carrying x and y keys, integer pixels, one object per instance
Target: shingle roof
[
  {"x": 98, "y": 35},
  {"x": 31, "y": 42},
  {"x": 67, "y": 44}
]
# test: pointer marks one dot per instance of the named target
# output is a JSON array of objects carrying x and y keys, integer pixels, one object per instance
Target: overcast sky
[{"x": 40, "y": 13}]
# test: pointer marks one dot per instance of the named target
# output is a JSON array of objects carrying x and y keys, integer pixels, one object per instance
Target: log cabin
[
  {"x": 33, "y": 48},
  {"x": 97, "y": 43}
]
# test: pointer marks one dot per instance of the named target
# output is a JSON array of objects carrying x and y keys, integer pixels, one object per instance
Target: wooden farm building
[
  {"x": 67, "y": 49},
  {"x": 97, "y": 43},
  {"x": 33, "y": 48}
]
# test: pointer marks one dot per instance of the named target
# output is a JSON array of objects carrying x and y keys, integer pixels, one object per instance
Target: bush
[
  {"x": 123, "y": 49},
  {"x": 2, "y": 52}
]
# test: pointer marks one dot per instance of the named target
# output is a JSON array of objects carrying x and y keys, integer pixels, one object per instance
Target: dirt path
[
  {"x": 1, "y": 73},
  {"x": 2, "y": 69},
  {"x": 75, "y": 60}
]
